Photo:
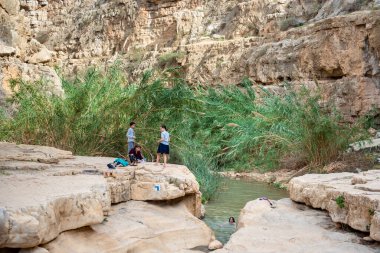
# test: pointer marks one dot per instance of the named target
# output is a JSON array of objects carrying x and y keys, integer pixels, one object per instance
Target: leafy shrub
[{"x": 340, "y": 201}]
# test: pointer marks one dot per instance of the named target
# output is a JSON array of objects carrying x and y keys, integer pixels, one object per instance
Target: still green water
[{"x": 233, "y": 196}]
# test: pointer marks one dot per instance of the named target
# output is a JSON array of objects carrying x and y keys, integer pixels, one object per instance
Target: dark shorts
[
  {"x": 132, "y": 158},
  {"x": 163, "y": 149}
]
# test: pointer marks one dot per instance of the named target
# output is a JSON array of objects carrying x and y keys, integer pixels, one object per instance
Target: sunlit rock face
[
  {"x": 289, "y": 227},
  {"x": 349, "y": 198},
  {"x": 330, "y": 45},
  {"x": 137, "y": 226}
]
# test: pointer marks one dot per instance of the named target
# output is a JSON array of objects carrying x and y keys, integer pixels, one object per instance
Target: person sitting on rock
[{"x": 135, "y": 155}]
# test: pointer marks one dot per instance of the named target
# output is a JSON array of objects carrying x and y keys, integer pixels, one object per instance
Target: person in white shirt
[
  {"x": 131, "y": 136},
  {"x": 163, "y": 147}
]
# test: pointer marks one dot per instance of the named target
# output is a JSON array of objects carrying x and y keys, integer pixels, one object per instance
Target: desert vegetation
[{"x": 241, "y": 127}]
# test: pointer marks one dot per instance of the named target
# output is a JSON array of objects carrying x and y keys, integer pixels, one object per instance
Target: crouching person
[{"x": 135, "y": 155}]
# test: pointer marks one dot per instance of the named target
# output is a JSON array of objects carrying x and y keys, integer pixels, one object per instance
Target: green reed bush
[{"x": 252, "y": 132}]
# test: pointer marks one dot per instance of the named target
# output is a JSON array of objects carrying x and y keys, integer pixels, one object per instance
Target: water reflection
[{"x": 232, "y": 198}]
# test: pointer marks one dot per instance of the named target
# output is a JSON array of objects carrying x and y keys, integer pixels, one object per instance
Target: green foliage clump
[
  {"x": 279, "y": 185},
  {"x": 84, "y": 121},
  {"x": 340, "y": 201},
  {"x": 170, "y": 58},
  {"x": 244, "y": 131}
]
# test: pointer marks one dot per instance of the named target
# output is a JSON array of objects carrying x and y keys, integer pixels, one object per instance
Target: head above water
[
  {"x": 163, "y": 128},
  {"x": 132, "y": 124},
  {"x": 231, "y": 220}
]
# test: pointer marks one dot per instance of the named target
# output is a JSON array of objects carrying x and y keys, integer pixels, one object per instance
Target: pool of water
[{"x": 233, "y": 196}]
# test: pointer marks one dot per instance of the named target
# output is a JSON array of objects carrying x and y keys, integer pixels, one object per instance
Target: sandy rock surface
[
  {"x": 35, "y": 209},
  {"x": 290, "y": 228},
  {"x": 21, "y": 152},
  {"x": 174, "y": 183},
  {"x": 349, "y": 198},
  {"x": 137, "y": 226},
  {"x": 45, "y": 191}
]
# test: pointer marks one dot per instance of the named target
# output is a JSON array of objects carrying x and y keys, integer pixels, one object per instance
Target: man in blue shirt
[
  {"x": 131, "y": 136},
  {"x": 163, "y": 147}
]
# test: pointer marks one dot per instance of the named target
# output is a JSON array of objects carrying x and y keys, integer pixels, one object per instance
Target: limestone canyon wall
[{"x": 333, "y": 44}]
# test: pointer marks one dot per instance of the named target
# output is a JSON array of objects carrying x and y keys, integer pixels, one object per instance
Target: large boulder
[
  {"x": 349, "y": 198},
  {"x": 35, "y": 209},
  {"x": 153, "y": 182},
  {"x": 289, "y": 228},
  {"x": 137, "y": 226}
]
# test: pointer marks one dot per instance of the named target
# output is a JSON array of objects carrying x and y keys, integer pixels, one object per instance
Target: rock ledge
[{"x": 349, "y": 198}]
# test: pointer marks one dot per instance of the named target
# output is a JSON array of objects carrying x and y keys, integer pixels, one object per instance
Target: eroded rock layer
[{"x": 349, "y": 198}]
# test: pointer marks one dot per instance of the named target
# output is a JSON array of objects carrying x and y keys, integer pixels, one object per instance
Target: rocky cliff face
[{"x": 333, "y": 45}]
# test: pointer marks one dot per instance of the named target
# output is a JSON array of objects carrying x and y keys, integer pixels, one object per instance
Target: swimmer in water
[{"x": 231, "y": 222}]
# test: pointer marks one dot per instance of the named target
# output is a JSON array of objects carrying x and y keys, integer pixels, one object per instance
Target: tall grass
[
  {"x": 262, "y": 133},
  {"x": 211, "y": 128}
]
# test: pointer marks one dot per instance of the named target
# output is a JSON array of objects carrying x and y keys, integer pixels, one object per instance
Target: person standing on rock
[
  {"x": 163, "y": 146},
  {"x": 131, "y": 136}
]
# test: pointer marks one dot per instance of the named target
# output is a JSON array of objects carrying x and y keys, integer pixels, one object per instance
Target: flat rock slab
[
  {"x": 349, "y": 198},
  {"x": 21, "y": 152},
  {"x": 137, "y": 226},
  {"x": 290, "y": 228},
  {"x": 34, "y": 210}
]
